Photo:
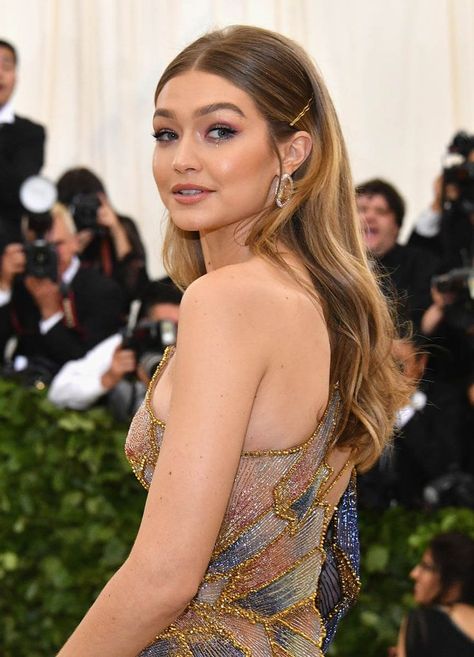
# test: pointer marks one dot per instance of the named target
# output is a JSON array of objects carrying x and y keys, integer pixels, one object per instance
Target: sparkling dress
[{"x": 285, "y": 565}]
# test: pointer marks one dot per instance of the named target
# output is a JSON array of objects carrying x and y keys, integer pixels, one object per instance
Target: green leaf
[
  {"x": 377, "y": 558},
  {"x": 9, "y": 561}
]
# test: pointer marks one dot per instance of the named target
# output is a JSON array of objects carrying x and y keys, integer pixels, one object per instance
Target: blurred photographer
[
  {"x": 121, "y": 366},
  {"x": 407, "y": 270},
  {"x": 51, "y": 309},
  {"x": 425, "y": 446},
  {"x": 447, "y": 226},
  {"x": 108, "y": 242},
  {"x": 21, "y": 147}
]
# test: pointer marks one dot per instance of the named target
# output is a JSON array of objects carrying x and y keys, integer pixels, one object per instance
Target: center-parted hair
[{"x": 319, "y": 223}]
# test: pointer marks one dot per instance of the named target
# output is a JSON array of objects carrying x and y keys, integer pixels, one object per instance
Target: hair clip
[{"x": 302, "y": 113}]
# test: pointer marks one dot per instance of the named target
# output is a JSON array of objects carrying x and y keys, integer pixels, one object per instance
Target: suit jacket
[
  {"x": 95, "y": 302},
  {"x": 21, "y": 156},
  {"x": 410, "y": 271},
  {"x": 130, "y": 272}
]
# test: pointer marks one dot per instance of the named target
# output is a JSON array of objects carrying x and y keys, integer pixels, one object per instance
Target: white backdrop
[{"x": 401, "y": 73}]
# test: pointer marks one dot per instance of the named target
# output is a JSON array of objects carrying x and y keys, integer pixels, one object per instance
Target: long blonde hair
[{"x": 319, "y": 224}]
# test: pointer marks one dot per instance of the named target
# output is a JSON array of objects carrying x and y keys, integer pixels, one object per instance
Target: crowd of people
[
  {"x": 78, "y": 312},
  {"x": 91, "y": 325},
  {"x": 431, "y": 282}
]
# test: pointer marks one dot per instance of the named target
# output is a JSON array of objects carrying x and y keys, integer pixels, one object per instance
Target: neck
[{"x": 225, "y": 246}]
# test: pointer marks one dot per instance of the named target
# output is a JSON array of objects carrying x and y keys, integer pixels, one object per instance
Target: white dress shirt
[
  {"x": 78, "y": 384},
  {"x": 7, "y": 113}
]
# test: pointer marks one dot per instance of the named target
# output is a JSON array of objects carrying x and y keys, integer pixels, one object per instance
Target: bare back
[{"x": 294, "y": 391}]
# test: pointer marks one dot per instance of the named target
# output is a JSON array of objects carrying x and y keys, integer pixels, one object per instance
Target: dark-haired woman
[
  {"x": 282, "y": 381},
  {"x": 443, "y": 625}
]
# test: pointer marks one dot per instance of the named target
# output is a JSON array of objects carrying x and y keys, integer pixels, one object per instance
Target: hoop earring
[{"x": 284, "y": 190}]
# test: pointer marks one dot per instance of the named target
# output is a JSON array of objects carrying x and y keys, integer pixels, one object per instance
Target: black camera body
[
  {"x": 456, "y": 280},
  {"x": 462, "y": 143},
  {"x": 84, "y": 209},
  {"x": 451, "y": 489},
  {"x": 461, "y": 174},
  {"x": 41, "y": 256},
  {"x": 41, "y": 260},
  {"x": 149, "y": 340}
]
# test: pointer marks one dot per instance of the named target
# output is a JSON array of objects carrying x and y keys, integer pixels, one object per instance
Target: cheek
[
  {"x": 385, "y": 227},
  {"x": 161, "y": 170},
  {"x": 249, "y": 172}
]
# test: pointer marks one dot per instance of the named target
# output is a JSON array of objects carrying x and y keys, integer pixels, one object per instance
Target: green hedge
[{"x": 70, "y": 509}]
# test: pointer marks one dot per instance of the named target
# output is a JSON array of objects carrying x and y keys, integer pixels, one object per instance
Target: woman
[
  {"x": 443, "y": 626},
  {"x": 282, "y": 328}
]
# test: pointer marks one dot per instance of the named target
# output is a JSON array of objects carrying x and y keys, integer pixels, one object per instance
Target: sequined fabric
[{"x": 285, "y": 565}]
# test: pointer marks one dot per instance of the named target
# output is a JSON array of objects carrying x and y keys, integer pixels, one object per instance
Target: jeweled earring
[{"x": 284, "y": 190}]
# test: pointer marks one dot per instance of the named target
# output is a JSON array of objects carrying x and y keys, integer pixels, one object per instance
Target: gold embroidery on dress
[{"x": 288, "y": 514}]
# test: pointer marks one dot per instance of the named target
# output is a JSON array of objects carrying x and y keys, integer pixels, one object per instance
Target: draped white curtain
[{"x": 401, "y": 73}]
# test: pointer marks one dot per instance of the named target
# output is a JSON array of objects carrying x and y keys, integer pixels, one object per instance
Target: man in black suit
[
  {"x": 21, "y": 148},
  {"x": 55, "y": 321},
  {"x": 408, "y": 270}
]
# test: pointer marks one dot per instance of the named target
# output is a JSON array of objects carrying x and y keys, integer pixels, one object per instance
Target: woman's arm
[{"x": 219, "y": 362}]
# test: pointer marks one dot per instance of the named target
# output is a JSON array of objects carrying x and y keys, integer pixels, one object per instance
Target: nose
[
  {"x": 414, "y": 573},
  {"x": 186, "y": 157}
]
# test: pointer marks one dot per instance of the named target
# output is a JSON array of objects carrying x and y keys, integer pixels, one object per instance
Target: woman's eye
[
  {"x": 165, "y": 135},
  {"x": 221, "y": 132}
]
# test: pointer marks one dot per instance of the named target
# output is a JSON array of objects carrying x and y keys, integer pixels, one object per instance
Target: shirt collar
[
  {"x": 7, "y": 114},
  {"x": 71, "y": 271}
]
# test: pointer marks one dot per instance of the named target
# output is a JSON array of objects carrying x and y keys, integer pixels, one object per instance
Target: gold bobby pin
[{"x": 302, "y": 113}]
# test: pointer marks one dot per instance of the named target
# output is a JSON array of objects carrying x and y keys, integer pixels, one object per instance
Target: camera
[
  {"x": 84, "y": 209},
  {"x": 149, "y": 340},
  {"x": 41, "y": 256},
  {"x": 37, "y": 195},
  {"x": 41, "y": 260},
  {"x": 452, "y": 489},
  {"x": 460, "y": 173},
  {"x": 462, "y": 143},
  {"x": 456, "y": 280}
]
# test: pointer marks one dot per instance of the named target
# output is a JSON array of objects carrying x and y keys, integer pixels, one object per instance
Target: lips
[
  {"x": 190, "y": 193},
  {"x": 370, "y": 231},
  {"x": 189, "y": 188}
]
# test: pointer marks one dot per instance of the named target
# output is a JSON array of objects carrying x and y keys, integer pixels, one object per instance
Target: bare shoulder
[
  {"x": 220, "y": 316},
  {"x": 234, "y": 298},
  {"x": 225, "y": 288}
]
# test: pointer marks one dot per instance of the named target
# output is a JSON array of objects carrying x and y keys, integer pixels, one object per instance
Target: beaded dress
[{"x": 285, "y": 565}]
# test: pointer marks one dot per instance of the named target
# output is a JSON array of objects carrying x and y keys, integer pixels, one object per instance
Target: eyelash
[
  {"x": 163, "y": 135},
  {"x": 159, "y": 134},
  {"x": 228, "y": 132}
]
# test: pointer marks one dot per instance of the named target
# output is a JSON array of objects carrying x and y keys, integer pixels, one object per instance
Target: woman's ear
[{"x": 295, "y": 151}]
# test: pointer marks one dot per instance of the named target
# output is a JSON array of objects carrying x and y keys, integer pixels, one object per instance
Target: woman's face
[
  {"x": 427, "y": 580},
  {"x": 213, "y": 163}
]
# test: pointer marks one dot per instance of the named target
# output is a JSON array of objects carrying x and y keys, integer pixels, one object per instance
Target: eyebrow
[{"x": 202, "y": 111}]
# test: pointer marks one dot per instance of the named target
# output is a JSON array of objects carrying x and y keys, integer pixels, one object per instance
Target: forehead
[
  {"x": 428, "y": 557},
  {"x": 6, "y": 56},
  {"x": 374, "y": 201},
  {"x": 195, "y": 89}
]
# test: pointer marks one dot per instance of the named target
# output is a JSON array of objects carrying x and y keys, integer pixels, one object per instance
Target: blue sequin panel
[
  {"x": 248, "y": 543},
  {"x": 293, "y": 644},
  {"x": 287, "y": 590}
]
